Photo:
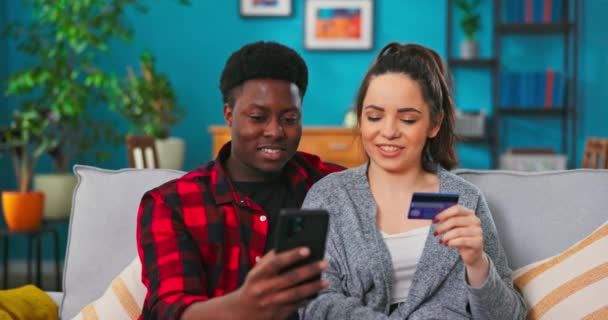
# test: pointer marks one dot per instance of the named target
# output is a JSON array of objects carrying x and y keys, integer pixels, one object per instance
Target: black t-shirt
[{"x": 272, "y": 196}]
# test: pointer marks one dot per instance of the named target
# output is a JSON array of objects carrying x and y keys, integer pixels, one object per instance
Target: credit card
[{"x": 428, "y": 205}]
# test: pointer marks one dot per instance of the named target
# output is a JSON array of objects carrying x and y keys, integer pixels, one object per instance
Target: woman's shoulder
[
  {"x": 342, "y": 178},
  {"x": 338, "y": 184},
  {"x": 454, "y": 183}
]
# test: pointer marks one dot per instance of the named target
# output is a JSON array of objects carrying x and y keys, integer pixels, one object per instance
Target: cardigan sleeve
[
  {"x": 335, "y": 302},
  {"x": 497, "y": 297}
]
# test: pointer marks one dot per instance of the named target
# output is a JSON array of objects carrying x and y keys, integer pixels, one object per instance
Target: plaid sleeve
[
  {"x": 328, "y": 167},
  {"x": 172, "y": 267}
]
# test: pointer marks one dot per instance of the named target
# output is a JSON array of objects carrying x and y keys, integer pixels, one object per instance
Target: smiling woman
[
  {"x": 393, "y": 135},
  {"x": 450, "y": 267}
]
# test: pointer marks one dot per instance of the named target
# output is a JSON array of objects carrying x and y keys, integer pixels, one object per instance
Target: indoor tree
[{"x": 65, "y": 39}]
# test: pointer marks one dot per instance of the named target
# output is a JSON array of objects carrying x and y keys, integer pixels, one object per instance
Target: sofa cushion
[
  {"x": 571, "y": 285},
  {"x": 123, "y": 299},
  {"x": 539, "y": 215},
  {"x": 101, "y": 237}
]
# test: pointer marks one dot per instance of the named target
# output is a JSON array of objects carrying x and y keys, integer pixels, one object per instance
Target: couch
[{"x": 537, "y": 215}]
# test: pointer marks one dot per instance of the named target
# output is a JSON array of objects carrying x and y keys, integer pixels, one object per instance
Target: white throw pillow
[
  {"x": 103, "y": 224},
  {"x": 570, "y": 285},
  {"x": 123, "y": 299}
]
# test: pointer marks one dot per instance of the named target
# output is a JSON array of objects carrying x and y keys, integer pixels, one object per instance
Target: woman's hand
[{"x": 460, "y": 228}]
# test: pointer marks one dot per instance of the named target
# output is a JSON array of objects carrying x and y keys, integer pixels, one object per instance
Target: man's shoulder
[
  {"x": 200, "y": 177},
  {"x": 312, "y": 162}
]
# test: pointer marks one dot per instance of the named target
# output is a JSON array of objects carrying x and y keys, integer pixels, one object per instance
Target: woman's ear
[{"x": 436, "y": 125}]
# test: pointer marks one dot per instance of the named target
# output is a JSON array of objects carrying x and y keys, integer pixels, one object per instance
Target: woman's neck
[{"x": 408, "y": 181}]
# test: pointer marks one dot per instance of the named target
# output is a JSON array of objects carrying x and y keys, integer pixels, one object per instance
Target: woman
[{"x": 382, "y": 264}]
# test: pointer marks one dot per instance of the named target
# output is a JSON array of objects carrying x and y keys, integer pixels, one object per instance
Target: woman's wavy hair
[{"x": 427, "y": 68}]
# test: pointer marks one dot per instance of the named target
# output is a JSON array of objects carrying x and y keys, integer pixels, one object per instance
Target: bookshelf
[{"x": 566, "y": 29}]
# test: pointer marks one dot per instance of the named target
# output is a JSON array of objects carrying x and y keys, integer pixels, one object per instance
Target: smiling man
[{"x": 205, "y": 239}]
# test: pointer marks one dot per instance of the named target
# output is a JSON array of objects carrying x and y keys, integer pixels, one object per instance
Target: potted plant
[
  {"x": 470, "y": 22},
  {"x": 26, "y": 141},
  {"x": 149, "y": 103},
  {"x": 65, "y": 40}
]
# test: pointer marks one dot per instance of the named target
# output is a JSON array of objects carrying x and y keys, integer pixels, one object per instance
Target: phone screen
[{"x": 302, "y": 228}]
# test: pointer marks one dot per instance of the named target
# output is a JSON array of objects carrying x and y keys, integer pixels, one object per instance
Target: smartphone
[
  {"x": 302, "y": 228},
  {"x": 428, "y": 205}
]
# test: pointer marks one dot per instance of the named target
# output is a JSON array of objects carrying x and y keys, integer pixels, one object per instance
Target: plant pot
[
  {"x": 22, "y": 210},
  {"x": 58, "y": 189},
  {"x": 170, "y": 153},
  {"x": 469, "y": 49}
]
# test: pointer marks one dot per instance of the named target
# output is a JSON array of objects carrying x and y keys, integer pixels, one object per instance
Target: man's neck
[{"x": 238, "y": 171}]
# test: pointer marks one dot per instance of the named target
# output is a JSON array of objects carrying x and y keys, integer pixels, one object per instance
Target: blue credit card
[{"x": 428, "y": 205}]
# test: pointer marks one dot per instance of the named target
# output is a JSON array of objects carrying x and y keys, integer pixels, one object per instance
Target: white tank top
[{"x": 405, "y": 249}]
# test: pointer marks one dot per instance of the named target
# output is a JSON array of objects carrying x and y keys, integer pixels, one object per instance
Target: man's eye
[
  {"x": 290, "y": 120},
  {"x": 256, "y": 117}
]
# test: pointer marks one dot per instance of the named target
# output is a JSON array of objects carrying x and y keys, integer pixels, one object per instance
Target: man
[{"x": 204, "y": 239}]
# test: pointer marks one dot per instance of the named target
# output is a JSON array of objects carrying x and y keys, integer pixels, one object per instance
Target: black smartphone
[{"x": 302, "y": 228}]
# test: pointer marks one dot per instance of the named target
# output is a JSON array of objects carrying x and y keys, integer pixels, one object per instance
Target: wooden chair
[
  {"x": 142, "y": 152},
  {"x": 596, "y": 153}
]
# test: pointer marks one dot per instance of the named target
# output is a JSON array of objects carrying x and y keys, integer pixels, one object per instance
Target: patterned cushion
[
  {"x": 123, "y": 299},
  {"x": 570, "y": 285}
]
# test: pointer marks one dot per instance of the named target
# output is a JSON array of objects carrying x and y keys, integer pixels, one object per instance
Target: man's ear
[
  {"x": 228, "y": 114},
  {"x": 436, "y": 125}
]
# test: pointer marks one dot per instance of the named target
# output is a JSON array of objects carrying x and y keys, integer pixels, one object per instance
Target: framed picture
[
  {"x": 339, "y": 24},
  {"x": 265, "y": 8}
]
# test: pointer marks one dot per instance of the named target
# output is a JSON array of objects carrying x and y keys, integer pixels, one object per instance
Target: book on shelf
[
  {"x": 534, "y": 11},
  {"x": 543, "y": 89}
]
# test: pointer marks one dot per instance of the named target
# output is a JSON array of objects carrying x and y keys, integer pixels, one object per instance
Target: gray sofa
[{"x": 537, "y": 215}]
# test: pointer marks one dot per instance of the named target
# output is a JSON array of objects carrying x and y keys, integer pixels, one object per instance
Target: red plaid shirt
[{"x": 198, "y": 237}]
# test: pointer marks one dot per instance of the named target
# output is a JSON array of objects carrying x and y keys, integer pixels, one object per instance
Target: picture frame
[
  {"x": 338, "y": 24},
  {"x": 265, "y": 8}
]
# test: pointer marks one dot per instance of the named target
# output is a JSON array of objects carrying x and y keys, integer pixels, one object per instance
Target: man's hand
[{"x": 267, "y": 294}]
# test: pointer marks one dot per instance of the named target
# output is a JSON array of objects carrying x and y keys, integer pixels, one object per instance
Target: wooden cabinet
[{"x": 332, "y": 144}]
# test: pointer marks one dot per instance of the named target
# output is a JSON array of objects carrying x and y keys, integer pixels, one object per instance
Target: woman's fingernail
[
  {"x": 435, "y": 233},
  {"x": 435, "y": 220}
]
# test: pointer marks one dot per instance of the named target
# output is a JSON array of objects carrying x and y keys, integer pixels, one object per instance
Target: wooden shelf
[
  {"x": 533, "y": 111},
  {"x": 472, "y": 63},
  {"x": 533, "y": 28}
]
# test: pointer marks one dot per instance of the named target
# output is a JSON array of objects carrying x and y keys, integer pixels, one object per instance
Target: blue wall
[{"x": 192, "y": 43}]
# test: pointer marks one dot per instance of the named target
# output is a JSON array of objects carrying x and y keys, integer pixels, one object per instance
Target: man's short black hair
[{"x": 262, "y": 60}]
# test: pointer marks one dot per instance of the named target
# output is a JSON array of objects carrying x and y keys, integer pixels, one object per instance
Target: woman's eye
[
  {"x": 373, "y": 118},
  {"x": 409, "y": 121}
]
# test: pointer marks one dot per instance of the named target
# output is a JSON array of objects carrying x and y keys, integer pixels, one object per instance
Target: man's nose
[{"x": 274, "y": 129}]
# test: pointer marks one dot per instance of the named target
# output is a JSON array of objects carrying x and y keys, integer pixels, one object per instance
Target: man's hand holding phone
[{"x": 270, "y": 293}]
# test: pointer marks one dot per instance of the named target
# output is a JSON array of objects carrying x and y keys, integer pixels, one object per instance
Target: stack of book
[
  {"x": 544, "y": 89},
  {"x": 534, "y": 11}
]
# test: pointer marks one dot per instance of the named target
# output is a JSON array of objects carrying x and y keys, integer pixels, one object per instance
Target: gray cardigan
[{"x": 360, "y": 272}]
